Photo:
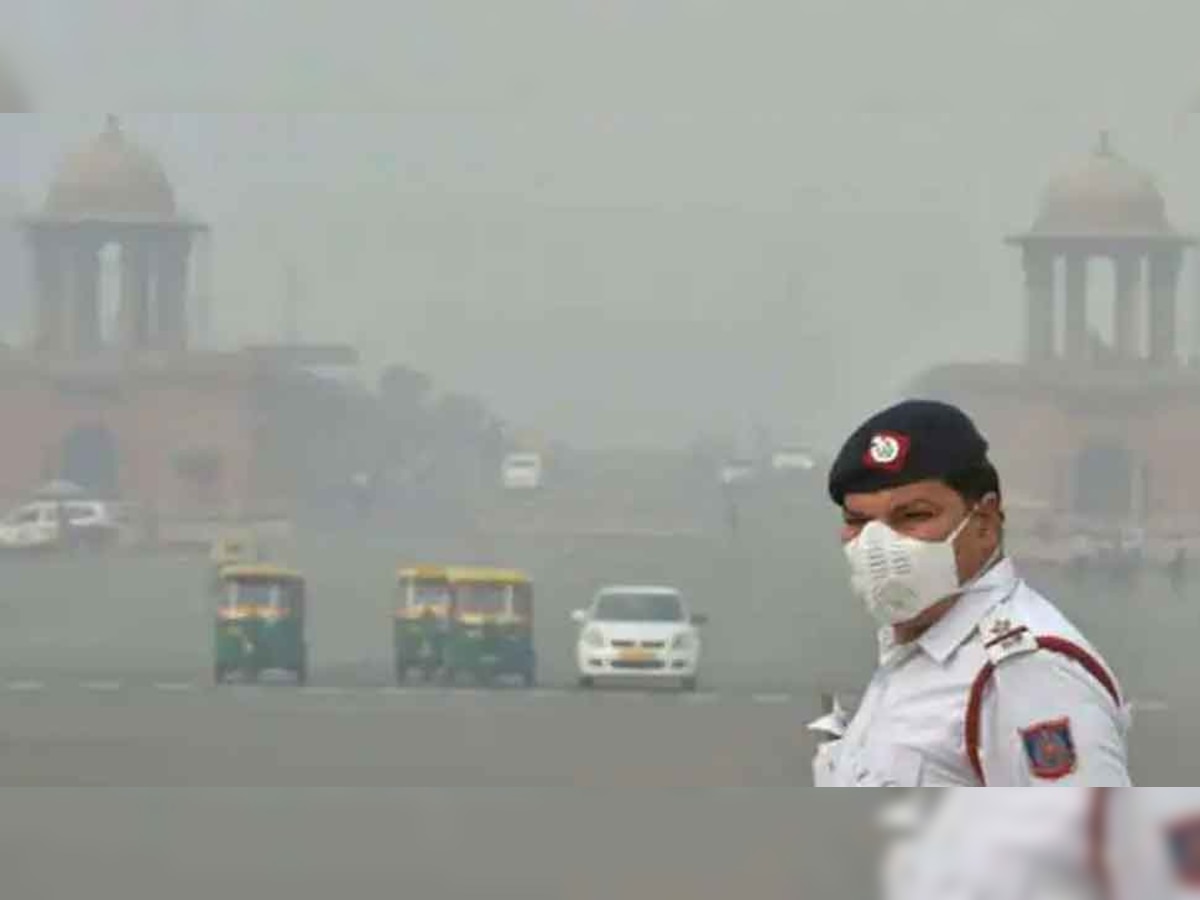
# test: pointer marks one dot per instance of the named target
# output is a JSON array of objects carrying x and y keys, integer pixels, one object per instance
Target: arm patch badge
[
  {"x": 1183, "y": 842},
  {"x": 1050, "y": 749}
]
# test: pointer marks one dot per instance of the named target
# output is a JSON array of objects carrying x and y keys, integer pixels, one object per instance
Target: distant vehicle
[
  {"x": 260, "y": 623},
  {"x": 793, "y": 459},
  {"x": 635, "y": 633},
  {"x": 39, "y": 525},
  {"x": 522, "y": 471},
  {"x": 231, "y": 549}
]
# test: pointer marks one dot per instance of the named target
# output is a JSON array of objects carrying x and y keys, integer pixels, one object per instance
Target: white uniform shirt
[
  {"x": 997, "y": 845},
  {"x": 909, "y": 729},
  {"x": 1073, "y": 844},
  {"x": 1151, "y": 842}
]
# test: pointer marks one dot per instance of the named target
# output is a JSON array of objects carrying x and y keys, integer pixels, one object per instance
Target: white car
[
  {"x": 638, "y": 633},
  {"x": 36, "y": 526},
  {"x": 522, "y": 471}
]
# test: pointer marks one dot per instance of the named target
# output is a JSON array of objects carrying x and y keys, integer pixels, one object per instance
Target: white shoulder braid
[{"x": 1005, "y": 636}]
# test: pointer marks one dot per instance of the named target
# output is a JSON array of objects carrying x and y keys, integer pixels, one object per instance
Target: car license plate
[{"x": 635, "y": 655}]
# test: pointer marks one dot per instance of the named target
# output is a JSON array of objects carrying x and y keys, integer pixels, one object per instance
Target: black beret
[{"x": 912, "y": 441}]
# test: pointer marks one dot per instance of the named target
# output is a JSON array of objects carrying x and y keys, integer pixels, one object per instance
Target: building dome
[
  {"x": 1106, "y": 195},
  {"x": 111, "y": 178}
]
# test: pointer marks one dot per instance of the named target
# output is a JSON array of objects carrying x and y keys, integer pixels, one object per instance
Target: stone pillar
[
  {"x": 171, "y": 294},
  {"x": 84, "y": 303},
  {"x": 1164, "y": 280},
  {"x": 51, "y": 291},
  {"x": 1039, "y": 305},
  {"x": 135, "y": 296},
  {"x": 202, "y": 288},
  {"x": 1076, "y": 338},
  {"x": 1128, "y": 268}
]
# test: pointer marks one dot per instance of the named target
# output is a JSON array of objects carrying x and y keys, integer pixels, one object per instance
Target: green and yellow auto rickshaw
[
  {"x": 491, "y": 625},
  {"x": 260, "y": 623},
  {"x": 421, "y": 620}
]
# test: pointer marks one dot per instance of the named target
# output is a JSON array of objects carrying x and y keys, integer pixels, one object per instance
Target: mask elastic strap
[{"x": 997, "y": 554}]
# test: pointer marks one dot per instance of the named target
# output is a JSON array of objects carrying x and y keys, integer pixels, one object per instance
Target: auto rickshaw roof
[
  {"x": 430, "y": 573},
  {"x": 260, "y": 572},
  {"x": 486, "y": 575}
]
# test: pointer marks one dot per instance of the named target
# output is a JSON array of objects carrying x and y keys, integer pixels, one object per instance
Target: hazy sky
[{"x": 624, "y": 221}]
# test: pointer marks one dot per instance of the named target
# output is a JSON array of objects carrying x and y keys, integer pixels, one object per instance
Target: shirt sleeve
[
  {"x": 1151, "y": 843},
  {"x": 1048, "y": 722}
]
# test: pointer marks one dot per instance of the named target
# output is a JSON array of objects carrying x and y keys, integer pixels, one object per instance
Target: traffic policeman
[
  {"x": 1071, "y": 844},
  {"x": 981, "y": 681}
]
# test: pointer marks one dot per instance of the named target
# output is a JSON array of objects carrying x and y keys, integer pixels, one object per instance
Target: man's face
[{"x": 929, "y": 511}]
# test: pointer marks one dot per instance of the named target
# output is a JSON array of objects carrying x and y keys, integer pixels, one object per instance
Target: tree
[{"x": 404, "y": 389}]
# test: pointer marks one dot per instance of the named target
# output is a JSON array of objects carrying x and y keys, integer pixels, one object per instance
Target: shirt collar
[{"x": 952, "y": 629}]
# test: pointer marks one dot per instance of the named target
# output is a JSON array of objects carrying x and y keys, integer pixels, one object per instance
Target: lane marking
[
  {"x": 175, "y": 686},
  {"x": 1150, "y": 706},
  {"x": 104, "y": 686},
  {"x": 24, "y": 686},
  {"x": 547, "y": 693}
]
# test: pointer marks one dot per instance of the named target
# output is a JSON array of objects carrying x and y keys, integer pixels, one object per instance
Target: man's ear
[{"x": 991, "y": 505}]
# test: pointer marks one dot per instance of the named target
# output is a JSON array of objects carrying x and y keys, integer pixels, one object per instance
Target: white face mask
[{"x": 899, "y": 577}]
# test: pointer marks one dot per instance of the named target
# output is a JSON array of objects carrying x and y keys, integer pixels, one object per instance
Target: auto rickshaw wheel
[
  {"x": 302, "y": 671},
  {"x": 250, "y": 674},
  {"x": 529, "y": 677},
  {"x": 218, "y": 674},
  {"x": 690, "y": 683},
  {"x": 586, "y": 682}
]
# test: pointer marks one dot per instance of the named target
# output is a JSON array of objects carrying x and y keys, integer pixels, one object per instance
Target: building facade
[
  {"x": 113, "y": 391},
  {"x": 1097, "y": 428}
]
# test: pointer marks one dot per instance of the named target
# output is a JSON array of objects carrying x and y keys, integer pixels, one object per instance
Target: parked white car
[
  {"x": 38, "y": 525},
  {"x": 632, "y": 632},
  {"x": 522, "y": 471}
]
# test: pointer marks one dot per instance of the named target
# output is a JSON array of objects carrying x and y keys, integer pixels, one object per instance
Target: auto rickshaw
[
  {"x": 260, "y": 623},
  {"x": 421, "y": 620},
  {"x": 491, "y": 625}
]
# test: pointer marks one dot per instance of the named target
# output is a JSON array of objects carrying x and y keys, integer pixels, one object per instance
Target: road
[{"x": 123, "y": 772}]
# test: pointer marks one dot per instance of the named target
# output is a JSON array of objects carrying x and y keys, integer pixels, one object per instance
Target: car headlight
[
  {"x": 593, "y": 637},
  {"x": 682, "y": 641}
]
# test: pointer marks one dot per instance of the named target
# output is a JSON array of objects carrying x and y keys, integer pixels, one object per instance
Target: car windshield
[
  {"x": 486, "y": 599},
  {"x": 78, "y": 512},
  {"x": 427, "y": 593},
  {"x": 633, "y": 607},
  {"x": 254, "y": 593}
]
